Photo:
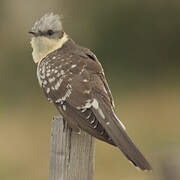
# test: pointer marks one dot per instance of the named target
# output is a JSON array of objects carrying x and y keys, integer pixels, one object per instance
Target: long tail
[{"x": 116, "y": 131}]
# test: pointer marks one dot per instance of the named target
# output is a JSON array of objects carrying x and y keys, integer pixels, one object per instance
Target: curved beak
[{"x": 33, "y": 33}]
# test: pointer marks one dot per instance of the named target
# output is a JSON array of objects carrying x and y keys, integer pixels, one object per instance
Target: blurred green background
[{"x": 137, "y": 43}]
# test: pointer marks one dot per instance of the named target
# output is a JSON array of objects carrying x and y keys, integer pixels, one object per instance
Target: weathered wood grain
[{"x": 71, "y": 154}]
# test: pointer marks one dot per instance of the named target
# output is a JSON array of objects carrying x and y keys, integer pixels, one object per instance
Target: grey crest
[{"x": 47, "y": 22}]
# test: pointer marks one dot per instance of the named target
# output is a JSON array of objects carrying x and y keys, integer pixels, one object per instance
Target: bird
[{"x": 73, "y": 79}]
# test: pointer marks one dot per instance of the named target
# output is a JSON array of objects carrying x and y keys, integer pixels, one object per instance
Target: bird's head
[{"x": 48, "y": 35}]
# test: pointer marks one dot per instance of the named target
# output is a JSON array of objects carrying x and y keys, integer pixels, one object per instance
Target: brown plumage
[{"x": 73, "y": 79}]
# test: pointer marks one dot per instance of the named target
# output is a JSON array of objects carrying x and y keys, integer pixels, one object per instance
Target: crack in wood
[{"x": 76, "y": 158}]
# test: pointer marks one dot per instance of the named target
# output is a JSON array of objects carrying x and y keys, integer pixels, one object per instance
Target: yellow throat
[{"x": 42, "y": 46}]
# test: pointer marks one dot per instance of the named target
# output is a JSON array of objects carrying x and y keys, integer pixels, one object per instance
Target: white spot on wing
[
  {"x": 70, "y": 79},
  {"x": 64, "y": 107},
  {"x": 43, "y": 69},
  {"x": 89, "y": 115},
  {"x": 58, "y": 100},
  {"x": 69, "y": 86},
  {"x": 60, "y": 81},
  {"x": 81, "y": 71},
  {"x": 102, "y": 114},
  {"x": 74, "y": 65},
  {"x": 95, "y": 126},
  {"x": 47, "y": 90},
  {"x": 57, "y": 85},
  {"x": 93, "y": 121},
  {"x": 68, "y": 93},
  {"x": 95, "y": 104},
  {"x": 50, "y": 100},
  {"x": 83, "y": 110},
  {"x": 51, "y": 79},
  {"x": 45, "y": 82},
  {"x": 87, "y": 91},
  {"x": 87, "y": 105},
  {"x": 62, "y": 72}
]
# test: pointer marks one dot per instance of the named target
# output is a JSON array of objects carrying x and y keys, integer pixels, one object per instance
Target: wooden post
[{"x": 71, "y": 154}]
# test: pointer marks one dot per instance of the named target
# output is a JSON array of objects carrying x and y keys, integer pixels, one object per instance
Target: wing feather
[
  {"x": 79, "y": 90},
  {"x": 116, "y": 131}
]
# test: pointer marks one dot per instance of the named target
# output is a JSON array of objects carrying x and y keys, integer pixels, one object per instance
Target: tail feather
[{"x": 116, "y": 131}]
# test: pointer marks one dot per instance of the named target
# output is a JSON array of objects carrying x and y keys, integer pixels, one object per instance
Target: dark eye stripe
[
  {"x": 40, "y": 33},
  {"x": 50, "y": 32}
]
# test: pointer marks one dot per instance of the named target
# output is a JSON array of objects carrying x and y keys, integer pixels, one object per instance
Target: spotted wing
[
  {"x": 102, "y": 107},
  {"x": 85, "y": 101},
  {"x": 66, "y": 82}
]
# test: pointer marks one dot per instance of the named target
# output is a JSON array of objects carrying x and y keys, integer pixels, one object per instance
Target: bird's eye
[{"x": 50, "y": 32}]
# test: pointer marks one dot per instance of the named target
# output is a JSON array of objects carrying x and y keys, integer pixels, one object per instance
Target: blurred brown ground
[{"x": 138, "y": 45}]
